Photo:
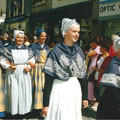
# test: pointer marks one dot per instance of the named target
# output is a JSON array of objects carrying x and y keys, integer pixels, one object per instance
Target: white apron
[
  {"x": 18, "y": 85},
  {"x": 65, "y": 100}
]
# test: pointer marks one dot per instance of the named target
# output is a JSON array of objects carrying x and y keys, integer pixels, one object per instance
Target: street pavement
[{"x": 87, "y": 113}]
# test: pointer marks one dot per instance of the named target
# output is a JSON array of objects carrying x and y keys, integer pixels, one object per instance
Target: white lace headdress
[{"x": 66, "y": 24}]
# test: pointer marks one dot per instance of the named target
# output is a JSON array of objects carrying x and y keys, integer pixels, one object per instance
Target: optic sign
[{"x": 109, "y": 9}]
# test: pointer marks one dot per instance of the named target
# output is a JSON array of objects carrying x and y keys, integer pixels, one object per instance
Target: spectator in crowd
[
  {"x": 101, "y": 65},
  {"x": 65, "y": 63},
  {"x": 17, "y": 78},
  {"x": 11, "y": 38},
  {"x": 88, "y": 60},
  {"x": 93, "y": 54},
  {"x": 26, "y": 41},
  {"x": 41, "y": 51},
  {"x": 5, "y": 39},
  {"x": 35, "y": 39},
  {"x": 109, "y": 105}
]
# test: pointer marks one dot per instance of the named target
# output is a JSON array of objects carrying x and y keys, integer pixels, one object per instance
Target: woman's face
[
  {"x": 25, "y": 38},
  {"x": 73, "y": 33},
  {"x": 19, "y": 39},
  {"x": 42, "y": 38}
]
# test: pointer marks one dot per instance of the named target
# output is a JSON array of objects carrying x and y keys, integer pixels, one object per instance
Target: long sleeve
[
  {"x": 3, "y": 63},
  {"x": 47, "y": 89},
  {"x": 31, "y": 60},
  {"x": 84, "y": 87}
]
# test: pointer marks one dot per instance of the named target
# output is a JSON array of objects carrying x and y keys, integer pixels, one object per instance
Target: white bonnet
[
  {"x": 66, "y": 24},
  {"x": 114, "y": 36},
  {"x": 16, "y": 32},
  {"x": 116, "y": 44}
]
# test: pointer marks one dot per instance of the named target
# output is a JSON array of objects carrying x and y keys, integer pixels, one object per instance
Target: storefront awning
[
  {"x": 81, "y": 10},
  {"x": 13, "y": 20}
]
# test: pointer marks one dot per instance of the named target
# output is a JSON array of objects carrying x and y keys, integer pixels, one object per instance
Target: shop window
[
  {"x": 85, "y": 33},
  {"x": 113, "y": 27},
  {"x": 18, "y": 4},
  {"x": 15, "y": 8},
  {"x": 85, "y": 29},
  {"x": 12, "y": 8}
]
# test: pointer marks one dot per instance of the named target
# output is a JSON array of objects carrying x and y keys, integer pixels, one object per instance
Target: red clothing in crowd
[
  {"x": 103, "y": 66},
  {"x": 111, "y": 51}
]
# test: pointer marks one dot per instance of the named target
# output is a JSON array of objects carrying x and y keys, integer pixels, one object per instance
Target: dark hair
[
  {"x": 105, "y": 43},
  {"x": 94, "y": 40}
]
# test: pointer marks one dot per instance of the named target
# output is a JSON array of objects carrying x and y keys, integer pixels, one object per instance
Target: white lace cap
[
  {"x": 116, "y": 44},
  {"x": 66, "y": 24},
  {"x": 16, "y": 32}
]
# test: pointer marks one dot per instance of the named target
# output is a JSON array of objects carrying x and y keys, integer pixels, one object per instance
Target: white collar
[
  {"x": 42, "y": 45},
  {"x": 19, "y": 46}
]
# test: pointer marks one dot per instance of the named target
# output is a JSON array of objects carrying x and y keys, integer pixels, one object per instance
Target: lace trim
[
  {"x": 66, "y": 68},
  {"x": 111, "y": 79}
]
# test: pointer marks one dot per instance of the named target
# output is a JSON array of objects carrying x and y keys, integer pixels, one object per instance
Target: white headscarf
[
  {"x": 114, "y": 37},
  {"x": 116, "y": 44},
  {"x": 16, "y": 32},
  {"x": 66, "y": 24}
]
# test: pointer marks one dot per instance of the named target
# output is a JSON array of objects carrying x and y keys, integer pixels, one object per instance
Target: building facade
[
  {"x": 31, "y": 15},
  {"x": 48, "y": 14},
  {"x": 2, "y": 15},
  {"x": 109, "y": 14},
  {"x": 17, "y": 15}
]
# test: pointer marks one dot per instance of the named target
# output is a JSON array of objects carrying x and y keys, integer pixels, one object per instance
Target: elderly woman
[
  {"x": 64, "y": 65},
  {"x": 109, "y": 106},
  {"x": 17, "y": 78},
  {"x": 41, "y": 51}
]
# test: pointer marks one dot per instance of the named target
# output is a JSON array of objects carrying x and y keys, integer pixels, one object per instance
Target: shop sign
[{"x": 109, "y": 9}]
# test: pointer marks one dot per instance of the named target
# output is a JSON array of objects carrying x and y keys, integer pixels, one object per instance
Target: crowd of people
[{"x": 37, "y": 81}]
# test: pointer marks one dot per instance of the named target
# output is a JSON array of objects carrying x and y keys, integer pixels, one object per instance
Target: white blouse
[{"x": 99, "y": 63}]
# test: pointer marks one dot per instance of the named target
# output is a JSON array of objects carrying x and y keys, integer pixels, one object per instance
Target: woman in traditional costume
[
  {"x": 65, "y": 64},
  {"x": 41, "y": 51},
  {"x": 109, "y": 105},
  {"x": 18, "y": 85}
]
